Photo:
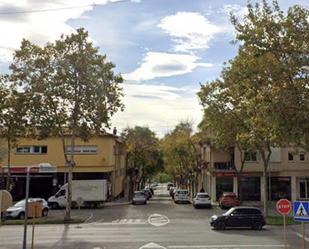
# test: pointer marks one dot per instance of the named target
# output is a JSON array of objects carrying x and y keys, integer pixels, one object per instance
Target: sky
[{"x": 163, "y": 48}]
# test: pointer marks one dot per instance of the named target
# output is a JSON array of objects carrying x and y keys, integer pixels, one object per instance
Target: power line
[{"x": 45, "y": 10}]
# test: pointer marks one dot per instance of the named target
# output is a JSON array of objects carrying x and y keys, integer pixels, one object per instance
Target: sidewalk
[{"x": 119, "y": 202}]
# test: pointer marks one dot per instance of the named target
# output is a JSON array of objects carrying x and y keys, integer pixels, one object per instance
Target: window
[
  {"x": 31, "y": 149},
  {"x": 303, "y": 188},
  {"x": 85, "y": 149},
  {"x": 302, "y": 156},
  {"x": 250, "y": 156},
  {"x": 291, "y": 156}
]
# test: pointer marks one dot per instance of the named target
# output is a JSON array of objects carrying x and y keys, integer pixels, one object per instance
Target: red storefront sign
[{"x": 283, "y": 206}]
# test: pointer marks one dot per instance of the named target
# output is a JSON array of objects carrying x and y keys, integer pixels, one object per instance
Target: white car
[
  {"x": 182, "y": 195},
  {"x": 202, "y": 200},
  {"x": 139, "y": 197},
  {"x": 18, "y": 210}
]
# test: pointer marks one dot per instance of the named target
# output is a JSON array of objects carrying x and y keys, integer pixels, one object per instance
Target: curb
[{"x": 116, "y": 204}]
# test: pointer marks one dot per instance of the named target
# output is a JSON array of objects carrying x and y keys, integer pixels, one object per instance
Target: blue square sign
[{"x": 301, "y": 211}]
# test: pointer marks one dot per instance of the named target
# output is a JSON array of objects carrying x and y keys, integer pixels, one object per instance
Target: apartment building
[
  {"x": 287, "y": 176},
  {"x": 102, "y": 157}
]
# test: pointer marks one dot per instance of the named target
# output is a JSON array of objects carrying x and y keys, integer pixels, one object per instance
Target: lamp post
[{"x": 43, "y": 168}]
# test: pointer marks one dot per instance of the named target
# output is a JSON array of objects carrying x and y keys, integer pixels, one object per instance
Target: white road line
[
  {"x": 225, "y": 246},
  {"x": 89, "y": 218},
  {"x": 300, "y": 236}
]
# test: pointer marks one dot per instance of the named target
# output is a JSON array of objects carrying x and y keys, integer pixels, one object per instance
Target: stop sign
[{"x": 284, "y": 206}]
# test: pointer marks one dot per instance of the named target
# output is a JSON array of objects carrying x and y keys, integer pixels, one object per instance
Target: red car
[{"x": 228, "y": 200}]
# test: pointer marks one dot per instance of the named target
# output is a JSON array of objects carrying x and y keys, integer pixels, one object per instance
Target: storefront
[
  {"x": 280, "y": 188},
  {"x": 223, "y": 184},
  {"x": 250, "y": 188}
]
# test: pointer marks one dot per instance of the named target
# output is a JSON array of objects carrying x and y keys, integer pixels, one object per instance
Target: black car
[{"x": 239, "y": 217}]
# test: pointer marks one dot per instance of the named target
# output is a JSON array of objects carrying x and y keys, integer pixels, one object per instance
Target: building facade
[
  {"x": 102, "y": 157},
  {"x": 287, "y": 176}
]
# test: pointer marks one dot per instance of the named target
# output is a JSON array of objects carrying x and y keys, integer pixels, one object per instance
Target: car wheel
[
  {"x": 21, "y": 216},
  {"x": 176, "y": 202},
  {"x": 45, "y": 212},
  {"x": 145, "y": 203},
  {"x": 133, "y": 203},
  {"x": 220, "y": 225},
  {"x": 257, "y": 226}
]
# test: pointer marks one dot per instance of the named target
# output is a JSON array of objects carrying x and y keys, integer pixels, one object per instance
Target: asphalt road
[{"x": 160, "y": 224}]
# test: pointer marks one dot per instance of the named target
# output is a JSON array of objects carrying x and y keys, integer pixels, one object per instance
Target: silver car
[
  {"x": 139, "y": 197},
  {"x": 18, "y": 210},
  {"x": 202, "y": 200}
]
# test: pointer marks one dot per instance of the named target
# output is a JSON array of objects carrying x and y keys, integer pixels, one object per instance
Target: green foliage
[
  {"x": 162, "y": 177},
  {"x": 261, "y": 99},
  {"x": 143, "y": 152},
  {"x": 70, "y": 85},
  {"x": 71, "y": 91},
  {"x": 181, "y": 155}
]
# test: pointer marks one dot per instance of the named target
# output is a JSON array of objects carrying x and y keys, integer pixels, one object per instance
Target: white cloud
[
  {"x": 157, "y": 64},
  {"x": 39, "y": 27},
  {"x": 190, "y": 30},
  {"x": 159, "y": 107},
  {"x": 238, "y": 10}
]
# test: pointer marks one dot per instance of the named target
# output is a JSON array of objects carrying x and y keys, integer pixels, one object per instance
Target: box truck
[{"x": 85, "y": 193}]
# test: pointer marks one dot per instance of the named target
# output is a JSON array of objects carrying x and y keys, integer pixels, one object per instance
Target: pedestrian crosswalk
[{"x": 123, "y": 222}]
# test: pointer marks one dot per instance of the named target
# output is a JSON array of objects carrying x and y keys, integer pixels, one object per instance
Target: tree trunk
[
  {"x": 67, "y": 217},
  {"x": 265, "y": 200},
  {"x": 8, "y": 166}
]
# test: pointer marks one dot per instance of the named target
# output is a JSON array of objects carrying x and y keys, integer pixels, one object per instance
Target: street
[{"x": 160, "y": 224}]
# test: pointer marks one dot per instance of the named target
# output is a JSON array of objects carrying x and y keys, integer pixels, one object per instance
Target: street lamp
[{"x": 42, "y": 168}]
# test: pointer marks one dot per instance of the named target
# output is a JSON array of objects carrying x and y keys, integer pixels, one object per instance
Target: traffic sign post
[
  {"x": 301, "y": 214},
  {"x": 284, "y": 207}
]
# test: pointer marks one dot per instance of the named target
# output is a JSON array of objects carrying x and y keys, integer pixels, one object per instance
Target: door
[
  {"x": 236, "y": 219},
  {"x": 61, "y": 198}
]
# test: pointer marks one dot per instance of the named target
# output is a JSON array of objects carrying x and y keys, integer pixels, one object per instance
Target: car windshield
[
  {"x": 182, "y": 192},
  {"x": 20, "y": 204},
  {"x": 203, "y": 196},
  {"x": 140, "y": 194},
  {"x": 231, "y": 210}
]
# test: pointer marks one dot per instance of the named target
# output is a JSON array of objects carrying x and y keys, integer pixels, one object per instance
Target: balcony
[{"x": 224, "y": 166}]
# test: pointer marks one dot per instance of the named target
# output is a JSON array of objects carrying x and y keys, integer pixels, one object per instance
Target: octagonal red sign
[{"x": 283, "y": 206}]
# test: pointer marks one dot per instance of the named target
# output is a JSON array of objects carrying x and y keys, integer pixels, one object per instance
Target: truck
[{"x": 85, "y": 193}]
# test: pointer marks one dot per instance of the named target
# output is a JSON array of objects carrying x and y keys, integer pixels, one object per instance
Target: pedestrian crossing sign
[{"x": 301, "y": 211}]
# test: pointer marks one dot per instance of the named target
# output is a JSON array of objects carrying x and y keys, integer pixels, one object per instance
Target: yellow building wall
[{"x": 102, "y": 161}]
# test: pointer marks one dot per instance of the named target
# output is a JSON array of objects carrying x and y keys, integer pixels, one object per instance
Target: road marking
[
  {"x": 227, "y": 246},
  {"x": 300, "y": 236},
  {"x": 89, "y": 218},
  {"x": 158, "y": 220},
  {"x": 152, "y": 245}
]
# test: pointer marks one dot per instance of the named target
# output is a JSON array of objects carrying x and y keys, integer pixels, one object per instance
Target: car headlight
[{"x": 214, "y": 217}]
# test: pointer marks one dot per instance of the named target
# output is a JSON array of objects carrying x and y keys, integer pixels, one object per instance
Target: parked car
[
  {"x": 139, "y": 197},
  {"x": 171, "y": 191},
  {"x": 154, "y": 185},
  {"x": 181, "y": 196},
  {"x": 18, "y": 210},
  {"x": 228, "y": 200},
  {"x": 148, "y": 193},
  {"x": 239, "y": 217},
  {"x": 169, "y": 185},
  {"x": 202, "y": 200}
]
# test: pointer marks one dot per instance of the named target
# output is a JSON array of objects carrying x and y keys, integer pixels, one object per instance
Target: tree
[
  {"x": 181, "y": 154},
  {"x": 263, "y": 85},
  {"x": 71, "y": 91},
  {"x": 12, "y": 119},
  {"x": 143, "y": 152}
]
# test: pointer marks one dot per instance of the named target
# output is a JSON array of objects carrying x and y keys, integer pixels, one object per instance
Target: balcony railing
[{"x": 224, "y": 166}]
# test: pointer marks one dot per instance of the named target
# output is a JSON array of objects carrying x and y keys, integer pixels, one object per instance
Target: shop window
[
  {"x": 304, "y": 188},
  {"x": 302, "y": 156},
  {"x": 280, "y": 188},
  {"x": 291, "y": 156},
  {"x": 223, "y": 184},
  {"x": 251, "y": 188},
  {"x": 250, "y": 156}
]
